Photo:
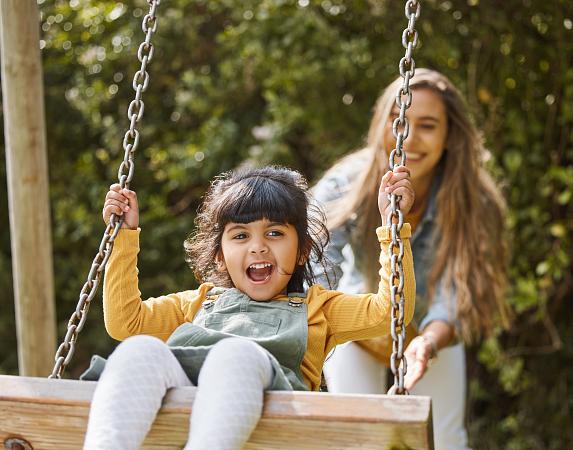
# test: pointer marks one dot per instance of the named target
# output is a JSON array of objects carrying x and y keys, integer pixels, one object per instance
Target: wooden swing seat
[{"x": 52, "y": 414}]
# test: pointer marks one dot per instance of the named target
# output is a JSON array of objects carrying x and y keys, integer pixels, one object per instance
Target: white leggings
[
  {"x": 139, "y": 372},
  {"x": 350, "y": 369}
]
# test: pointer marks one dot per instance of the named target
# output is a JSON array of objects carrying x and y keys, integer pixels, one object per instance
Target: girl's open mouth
[{"x": 259, "y": 272}]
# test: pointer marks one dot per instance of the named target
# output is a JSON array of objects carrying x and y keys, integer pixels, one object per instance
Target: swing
[{"x": 40, "y": 413}]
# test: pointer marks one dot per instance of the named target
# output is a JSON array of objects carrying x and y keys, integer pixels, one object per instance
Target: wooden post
[{"x": 27, "y": 173}]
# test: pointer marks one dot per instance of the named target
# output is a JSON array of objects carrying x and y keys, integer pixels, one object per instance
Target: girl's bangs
[{"x": 259, "y": 198}]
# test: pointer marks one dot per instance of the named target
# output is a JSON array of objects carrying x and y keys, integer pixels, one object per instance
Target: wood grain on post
[{"x": 27, "y": 173}]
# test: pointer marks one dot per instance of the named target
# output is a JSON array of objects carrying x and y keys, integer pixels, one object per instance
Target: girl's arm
[
  {"x": 354, "y": 317},
  {"x": 125, "y": 314}
]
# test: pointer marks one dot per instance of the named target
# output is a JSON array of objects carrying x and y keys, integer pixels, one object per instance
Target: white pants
[
  {"x": 350, "y": 369},
  {"x": 139, "y": 372}
]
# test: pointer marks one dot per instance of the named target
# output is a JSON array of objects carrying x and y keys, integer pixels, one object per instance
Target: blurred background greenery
[{"x": 294, "y": 82}]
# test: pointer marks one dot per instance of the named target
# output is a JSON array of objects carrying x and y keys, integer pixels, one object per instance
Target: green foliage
[{"x": 294, "y": 82}]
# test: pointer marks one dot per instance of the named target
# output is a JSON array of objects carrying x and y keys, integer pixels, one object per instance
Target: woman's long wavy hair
[{"x": 472, "y": 252}]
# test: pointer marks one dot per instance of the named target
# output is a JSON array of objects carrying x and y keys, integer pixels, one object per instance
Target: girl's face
[
  {"x": 428, "y": 133},
  {"x": 259, "y": 256}
]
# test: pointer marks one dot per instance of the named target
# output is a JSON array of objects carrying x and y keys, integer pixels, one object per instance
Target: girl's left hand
[
  {"x": 397, "y": 182},
  {"x": 418, "y": 355}
]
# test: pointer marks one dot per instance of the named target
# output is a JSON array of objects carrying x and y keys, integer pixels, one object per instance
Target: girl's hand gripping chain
[
  {"x": 121, "y": 202},
  {"x": 397, "y": 182}
]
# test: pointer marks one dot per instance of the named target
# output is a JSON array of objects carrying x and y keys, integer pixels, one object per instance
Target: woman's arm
[
  {"x": 423, "y": 348},
  {"x": 439, "y": 329},
  {"x": 443, "y": 307},
  {"x": 439, "y": 334}
]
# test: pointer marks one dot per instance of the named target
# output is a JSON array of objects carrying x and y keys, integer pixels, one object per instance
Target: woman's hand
[
  {"x": 121, "y": 202},
  {"x": 397, "y": 182},
  {"x": 418, "y": 355}
]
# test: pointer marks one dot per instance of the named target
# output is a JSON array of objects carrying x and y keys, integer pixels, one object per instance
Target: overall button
[
  {"x": 208, "y": 304},
  {"x": 295, "y": 303}
]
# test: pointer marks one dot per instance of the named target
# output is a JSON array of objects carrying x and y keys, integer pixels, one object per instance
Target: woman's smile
[{"x": 414, "y": 156}]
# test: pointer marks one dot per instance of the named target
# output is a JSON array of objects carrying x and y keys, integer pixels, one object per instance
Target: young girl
[{"x": 248, "y": 328}]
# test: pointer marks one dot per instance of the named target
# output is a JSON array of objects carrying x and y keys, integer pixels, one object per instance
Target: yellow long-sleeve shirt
[{"x": 333, "y": 317}]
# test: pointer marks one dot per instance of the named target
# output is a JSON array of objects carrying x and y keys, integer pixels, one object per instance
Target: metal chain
[
  {"x": 400, "y": 129},
  {"x": 125, "y": 174}
]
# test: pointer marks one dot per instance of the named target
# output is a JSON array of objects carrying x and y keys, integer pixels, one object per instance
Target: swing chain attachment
[
  {"x": 125, "y": 175},
  {"x": 397, "y": 157}
]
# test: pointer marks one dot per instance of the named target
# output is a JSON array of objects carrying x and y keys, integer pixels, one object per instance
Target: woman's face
[{"x": 428, "y": 133}]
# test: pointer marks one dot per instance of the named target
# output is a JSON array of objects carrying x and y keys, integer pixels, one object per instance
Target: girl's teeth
[{"x": 259, "y": 266}]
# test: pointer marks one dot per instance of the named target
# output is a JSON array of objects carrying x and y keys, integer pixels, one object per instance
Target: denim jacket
[{"x": 340, "y": 253}]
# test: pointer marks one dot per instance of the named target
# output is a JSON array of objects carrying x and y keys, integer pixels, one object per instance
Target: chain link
[
  {"x": 401, "y": 130},
  {"x": 135, "y": 110}
]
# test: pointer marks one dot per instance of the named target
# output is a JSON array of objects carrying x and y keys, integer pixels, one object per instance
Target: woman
[{"x": 459, "y": 250}]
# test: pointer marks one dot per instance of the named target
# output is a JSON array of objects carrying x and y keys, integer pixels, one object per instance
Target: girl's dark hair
[{"x": 274, "y": 193}]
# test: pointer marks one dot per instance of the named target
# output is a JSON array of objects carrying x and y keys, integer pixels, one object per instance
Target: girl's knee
[
  {"x": 237, "y": 347},
  {"x": 238, "y": 358},
  {"x": 239, "y": 352}
]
